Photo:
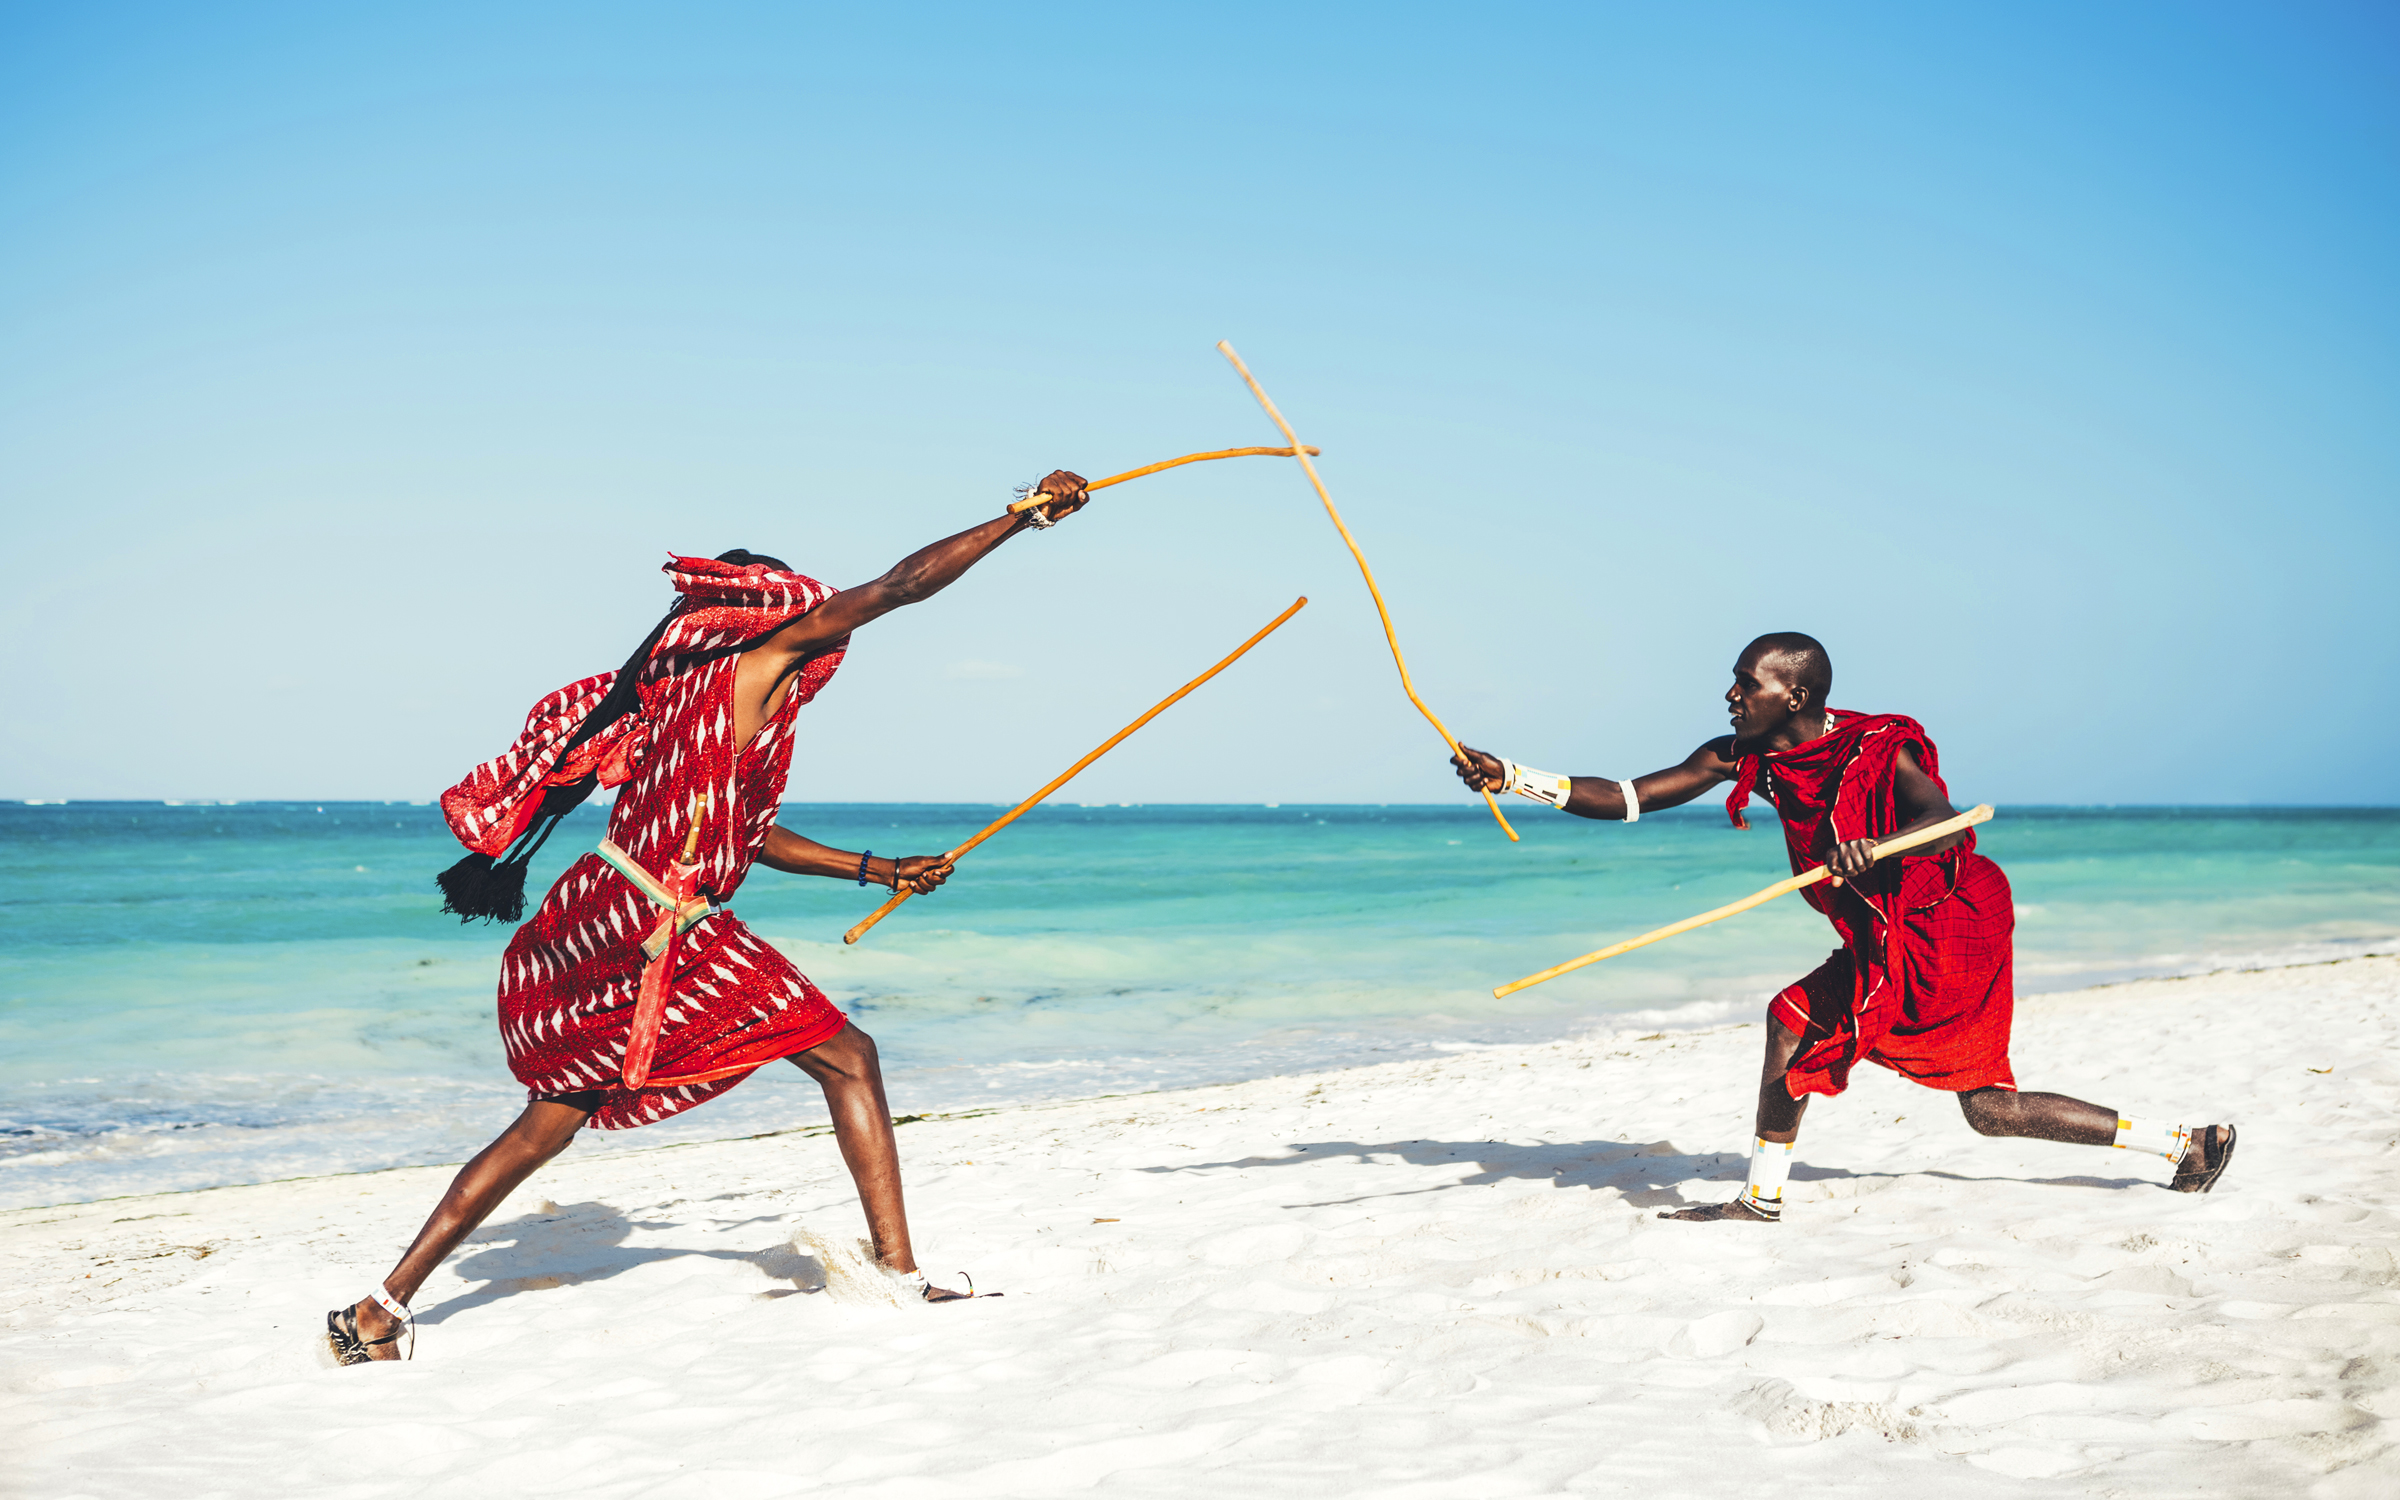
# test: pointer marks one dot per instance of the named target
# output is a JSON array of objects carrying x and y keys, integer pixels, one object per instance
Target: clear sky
[{"x": 358, "y": 365}]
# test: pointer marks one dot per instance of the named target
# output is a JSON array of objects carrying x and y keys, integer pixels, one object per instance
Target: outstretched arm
[
  {"x": 1599, "y": 797},
  {"x": 913, "y": 579},
  {"x": 789, "y": 852}
]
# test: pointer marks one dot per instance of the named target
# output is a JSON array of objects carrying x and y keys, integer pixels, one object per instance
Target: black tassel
[
  {"x": 480, "y": 886},
  {"x": 494, "y": 889}
]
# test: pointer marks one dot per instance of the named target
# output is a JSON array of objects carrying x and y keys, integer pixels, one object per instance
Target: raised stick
[
  {"x": 1111, "y": 743},
  {"x": 1941, "y": 830},
  {"x": 1037, "y": 498},
  {"x": 1390, "y": 637}
]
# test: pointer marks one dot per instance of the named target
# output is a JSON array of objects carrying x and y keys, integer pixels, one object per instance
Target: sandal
[
  {"x": 342, "y": 1336},
  {"x": 915, "y": 1280},
  {"x": 2199, "y": 1176}
]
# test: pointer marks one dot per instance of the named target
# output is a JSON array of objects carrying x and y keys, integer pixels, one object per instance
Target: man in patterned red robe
[
  {"x": 633, "y": 993},
  {"x": 1922, "y": 983}
]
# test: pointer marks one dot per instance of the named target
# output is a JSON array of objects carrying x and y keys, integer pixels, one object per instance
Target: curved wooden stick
[
  {"x": 1032, "y": 500},
  {"x": 1390, "y": 637},
  {"x": 1941, "y": 830},
  {"x": 1111, "y": 743}
]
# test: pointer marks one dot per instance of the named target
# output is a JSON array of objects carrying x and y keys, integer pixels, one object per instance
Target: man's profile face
[{"x": 1761, "y": 698}]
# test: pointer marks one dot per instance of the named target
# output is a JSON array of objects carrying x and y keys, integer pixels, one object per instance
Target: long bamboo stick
[
  {"x": 1390, "y": 636},
  {"x": 1037, "y": 498},
  {"x": 1941, "y": 830},
  {"x": 1111, "y": 743}
]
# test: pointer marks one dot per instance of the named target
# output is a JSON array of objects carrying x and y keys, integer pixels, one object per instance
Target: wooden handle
[
  {"x": 1391, "y": 637},
  {"x": 1901, "y": 845},
  {"x": 1111, "y": 743},
  {"x": 885, "y": 910},
  {"x": 1037, "y": 497}
]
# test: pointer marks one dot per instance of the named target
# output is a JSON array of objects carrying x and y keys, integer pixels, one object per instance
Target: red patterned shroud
[
  {"x": 571, "y": 977},
  {"x": 722, "y": 606},
  {"x": 1923, "y": 983}
]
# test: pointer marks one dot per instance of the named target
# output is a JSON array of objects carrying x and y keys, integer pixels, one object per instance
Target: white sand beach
[{"x": 1434, "y": 1278}]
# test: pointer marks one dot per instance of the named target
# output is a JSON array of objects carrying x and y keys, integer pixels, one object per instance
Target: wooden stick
[
  {"x": 1390, "y": 637},
  {"x": 1037, "y": 498},
  {"x": 1111, "y": 743},
  {"x": 1941, "y": 830}
]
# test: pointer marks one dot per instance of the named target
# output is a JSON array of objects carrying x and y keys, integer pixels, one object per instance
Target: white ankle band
[
  {"x": 2169, "y": 1141},
  {"x": 1770, "y": 1167},
  {"x": 390, "y": 1303},
  {"x": 1633, "y": 801},
  {"x": 1536, "y": 786}
]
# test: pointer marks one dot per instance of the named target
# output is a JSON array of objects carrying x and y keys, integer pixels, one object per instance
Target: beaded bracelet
[{"x": 862, "y": 866}]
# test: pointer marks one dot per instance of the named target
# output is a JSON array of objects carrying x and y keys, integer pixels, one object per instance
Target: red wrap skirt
[
  {"x": 1952, "y": 966},
  {"x": 571, "y": 976}
]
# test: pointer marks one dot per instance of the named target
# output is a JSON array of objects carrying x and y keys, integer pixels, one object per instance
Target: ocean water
[{"x": 199, "y": 995}]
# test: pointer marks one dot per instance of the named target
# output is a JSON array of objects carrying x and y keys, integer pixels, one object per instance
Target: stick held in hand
[
  {"x": 1902, "y": 844},
  {"x": 1391, "y": 637},
  {"x": 1111, "y": 743},
  {"x": 1032, "y": 500}
]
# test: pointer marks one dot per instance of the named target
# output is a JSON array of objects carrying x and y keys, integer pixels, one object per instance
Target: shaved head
[{"x": 1800, "y": 660}]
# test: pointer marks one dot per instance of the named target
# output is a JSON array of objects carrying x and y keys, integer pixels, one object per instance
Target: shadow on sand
[
  {"x": 1647, "y": 1174},
  {"x": 579, "y": 1242}
]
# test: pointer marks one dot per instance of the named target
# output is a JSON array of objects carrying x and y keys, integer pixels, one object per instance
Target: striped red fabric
[
  {"x": 571, "y": 976},
  {"x": 722, "y": 605}
]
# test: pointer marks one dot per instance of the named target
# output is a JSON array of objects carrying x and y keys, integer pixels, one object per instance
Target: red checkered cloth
[{"x": 1923, "y": 983}]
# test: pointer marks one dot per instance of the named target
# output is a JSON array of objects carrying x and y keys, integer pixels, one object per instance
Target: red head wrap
[{"x": 722, "y": 606}]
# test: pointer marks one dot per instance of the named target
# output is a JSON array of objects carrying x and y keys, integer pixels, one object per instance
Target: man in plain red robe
[{"x": 1922, "y": 982}]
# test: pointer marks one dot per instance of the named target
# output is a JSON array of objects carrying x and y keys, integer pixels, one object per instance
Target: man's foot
[
  {"x": 1711, "y": 1212},
  {"x": 915, "y": 1281},
  {"x": 944, "y": 1294},
  {"x": 363, "y": 1333},
  {"x": 2205, "y": 1160}
]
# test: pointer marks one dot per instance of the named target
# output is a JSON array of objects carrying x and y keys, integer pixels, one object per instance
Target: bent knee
[
  {"x": 849, "y": 1053},
  {"x": 1988, "y": 1111},
  {"x": 855, "y": 1045},
  {"x": 1783, "y": 1045}
]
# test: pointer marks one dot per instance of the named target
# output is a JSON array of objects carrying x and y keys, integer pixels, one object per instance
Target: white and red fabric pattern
[
  {"x": 572, "y": 975},
  {"x": 722, "y": 605}
]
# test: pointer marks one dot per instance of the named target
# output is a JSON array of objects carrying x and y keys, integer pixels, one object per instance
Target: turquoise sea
[{"x": 199, "y": 995}]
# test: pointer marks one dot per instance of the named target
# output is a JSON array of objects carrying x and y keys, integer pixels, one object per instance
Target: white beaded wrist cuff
[{"x": 1536, "y": 786}]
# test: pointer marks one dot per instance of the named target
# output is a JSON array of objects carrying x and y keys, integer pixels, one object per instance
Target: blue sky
[{"x": 361, "y": 366}]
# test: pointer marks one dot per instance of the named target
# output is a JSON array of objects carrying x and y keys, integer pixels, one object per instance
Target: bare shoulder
[{"x": 1715, "y": 759}]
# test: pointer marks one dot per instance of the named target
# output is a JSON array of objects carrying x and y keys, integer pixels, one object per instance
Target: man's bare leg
[
  {"x": 1990, "y": 1111},
  {"x": 845, "y": 1067},
  {"x": 2055, "y": 1117},
  {"x": 2041, "y": 1117},
  {"x": 1778, "y": 1120},
  {"x": 850, "y": 1072},
  {"x": 540, "y": 1133}
]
